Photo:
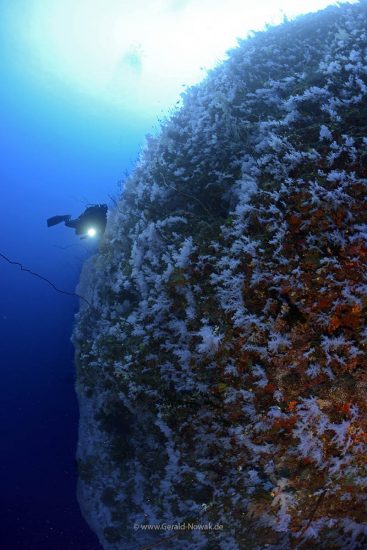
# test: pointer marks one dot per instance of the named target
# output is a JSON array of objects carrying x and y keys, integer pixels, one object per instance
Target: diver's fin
[{"x": 57, "y": 219}]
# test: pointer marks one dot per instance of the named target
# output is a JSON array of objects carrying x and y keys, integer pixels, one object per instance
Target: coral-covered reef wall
[{"x": 221, "y": 371}]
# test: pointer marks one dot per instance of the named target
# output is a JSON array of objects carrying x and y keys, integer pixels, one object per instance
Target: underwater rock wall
[{"x": 221, "y": 372}]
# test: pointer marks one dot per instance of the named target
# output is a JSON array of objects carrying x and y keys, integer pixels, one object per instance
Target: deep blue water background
[{"x": 59, "y": 151}]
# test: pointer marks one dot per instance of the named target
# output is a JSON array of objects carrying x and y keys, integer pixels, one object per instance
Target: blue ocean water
[{"x": 59, "y": 152}]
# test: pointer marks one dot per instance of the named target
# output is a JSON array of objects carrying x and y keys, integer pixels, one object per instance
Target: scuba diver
[{"x": 89, "y": 224}]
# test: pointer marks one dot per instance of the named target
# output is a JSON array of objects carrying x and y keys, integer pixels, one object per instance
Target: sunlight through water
[{"x": 136, "y": 53}]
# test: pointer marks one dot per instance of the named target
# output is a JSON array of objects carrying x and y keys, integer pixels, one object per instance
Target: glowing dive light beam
[{"x": 91, "y": 232}]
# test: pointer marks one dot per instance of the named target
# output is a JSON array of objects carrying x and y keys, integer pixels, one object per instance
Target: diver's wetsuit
[{"x": 93, "y": 217}]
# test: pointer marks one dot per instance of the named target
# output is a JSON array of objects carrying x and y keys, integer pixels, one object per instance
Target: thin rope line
[{"x": 22, "y": 268}]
